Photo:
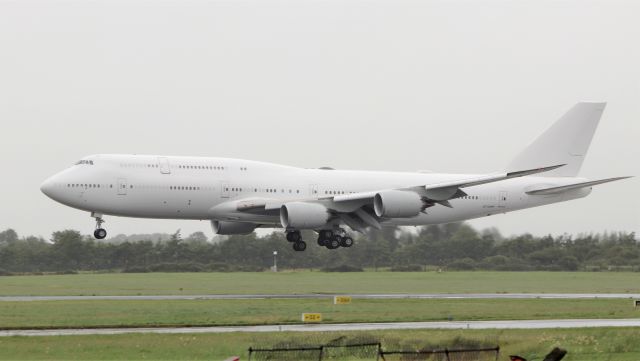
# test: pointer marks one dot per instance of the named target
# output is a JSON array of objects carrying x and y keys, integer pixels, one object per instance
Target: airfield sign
[
  {"x": 341, "y": 300},
  {"x": 311, "y": 317}
]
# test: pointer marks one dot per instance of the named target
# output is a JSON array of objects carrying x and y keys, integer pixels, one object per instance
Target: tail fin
[{"x": 566, "y": 142}]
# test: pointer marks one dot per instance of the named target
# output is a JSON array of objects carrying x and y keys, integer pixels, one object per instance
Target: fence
[
  {"x": 362, "y": 351},
  {"x": 481, "y": 354},
  {"x": 369, "y": 351}
]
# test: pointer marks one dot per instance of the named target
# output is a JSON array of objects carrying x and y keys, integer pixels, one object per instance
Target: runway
[
  {"x": 339, "y": 327},
  {"x": 329, "y": 296}
]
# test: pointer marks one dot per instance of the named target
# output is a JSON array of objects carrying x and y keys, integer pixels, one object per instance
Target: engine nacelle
[
  {"x": 230, "y": 228},
  {"x": 301, "y": 215},
  {"x": 397, "y": 204}
]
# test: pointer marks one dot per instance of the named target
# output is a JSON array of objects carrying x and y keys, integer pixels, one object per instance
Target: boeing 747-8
[{"x": 238, "y": 196}]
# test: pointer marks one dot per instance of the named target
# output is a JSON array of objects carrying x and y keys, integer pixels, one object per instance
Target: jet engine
[
  {"x": 397, "y": 204},
  {"x": 301, "y": 215},
  {"x": 229, "y": 228}
]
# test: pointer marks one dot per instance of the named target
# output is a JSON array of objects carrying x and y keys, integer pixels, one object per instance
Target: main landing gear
[
  {"x": 334, "y": 239},
  {"x": 99, "y": 233},
  {"x": 296, "y": 238},
  {"x": 331, "y": 239}
]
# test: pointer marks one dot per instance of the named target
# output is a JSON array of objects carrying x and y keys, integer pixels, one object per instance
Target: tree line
[{"x": 456, "y": 246}]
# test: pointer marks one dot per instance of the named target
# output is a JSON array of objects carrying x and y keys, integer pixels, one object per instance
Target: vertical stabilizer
[{"x": 566, "y": 142}]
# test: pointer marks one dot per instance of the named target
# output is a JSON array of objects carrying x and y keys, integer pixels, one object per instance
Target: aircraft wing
[
  {"x": 450, "y": 190},
  {"x": 564, "y": 188},
  {"x": 441, "y": 192},
  {"x": 355, "y": 209},
  {"x": 257, "y": 204}
]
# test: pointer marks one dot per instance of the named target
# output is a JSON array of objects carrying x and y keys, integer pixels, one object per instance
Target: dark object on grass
[
  {"x": 343, "y": 268},
  {"x": 407, "y": 268},
  {"x": 556, "y": 354},
  {"x": 135, "y": 269}
]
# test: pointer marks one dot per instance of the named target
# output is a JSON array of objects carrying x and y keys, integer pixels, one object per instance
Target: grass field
[
  {"x": 600, "y": 344},
  {"x": 320, "y": 282},
  {"x": 621, "y": 344},
  {"x": 52, "y": 314}
]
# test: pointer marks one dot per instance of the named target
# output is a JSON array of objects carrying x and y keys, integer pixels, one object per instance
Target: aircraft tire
[
  {"x": 294, "y": 236},
  {"x": 346, "y": 242},
  {"x": 100, "y": 233},
  {"x": 333, "y": 242}
]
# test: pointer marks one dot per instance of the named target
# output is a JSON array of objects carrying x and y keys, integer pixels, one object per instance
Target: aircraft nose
[{"x": 47, "y": 187}]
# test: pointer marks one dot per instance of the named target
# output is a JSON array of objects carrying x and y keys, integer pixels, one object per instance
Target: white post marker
[{"x": 275, "y": 261}]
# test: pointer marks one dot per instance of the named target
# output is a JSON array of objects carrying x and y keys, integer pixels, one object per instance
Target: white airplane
[{"x": 238, "y": 196}]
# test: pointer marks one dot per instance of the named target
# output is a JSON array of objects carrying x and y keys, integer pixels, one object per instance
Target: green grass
[
  {"x": 599, "y": 344},
  {"x": 321, "y": 282},
  {"x": 584, "y": 344},
  {"x": 98, "y": 313}
]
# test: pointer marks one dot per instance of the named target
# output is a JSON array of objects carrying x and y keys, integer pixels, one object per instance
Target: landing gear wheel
[
  {"x": 321, "y": 241},
  {"x": 346, "y": 242},
  {"x": 333, "y": 242},
  {"x": 294, "y": 236},
  {"x": 299, "y": 246},
  {"x": 100, "y": 233}
]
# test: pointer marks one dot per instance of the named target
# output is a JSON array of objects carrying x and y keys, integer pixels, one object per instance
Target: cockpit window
[{"x": 89, "y": 162}]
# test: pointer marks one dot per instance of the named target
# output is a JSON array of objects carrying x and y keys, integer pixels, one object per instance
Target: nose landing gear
[{"x": 99, "y": 233}]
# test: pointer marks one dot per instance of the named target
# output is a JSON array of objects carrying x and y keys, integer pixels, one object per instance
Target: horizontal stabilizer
[{"x": 560, "y": 189}]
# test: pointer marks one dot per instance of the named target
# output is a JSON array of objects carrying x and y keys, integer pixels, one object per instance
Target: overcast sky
[{"x": 450, "y": 86}]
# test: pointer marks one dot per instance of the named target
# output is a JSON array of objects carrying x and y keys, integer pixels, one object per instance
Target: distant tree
[
  {"x": 8, "y": 236},
  {"x": 68, "y": 246},
  {"x": 568, "y": 263},
  {"x": 197, "y": 237},
  {"x": 456, "y": 246}
]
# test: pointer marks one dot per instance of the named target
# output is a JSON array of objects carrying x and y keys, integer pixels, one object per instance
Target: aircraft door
[
  {"x": 164, "y": 165},
  {"x": 502, "y": 196},
  {"x": 122, "y": 186},
  {"x": 313, "y": 190}
]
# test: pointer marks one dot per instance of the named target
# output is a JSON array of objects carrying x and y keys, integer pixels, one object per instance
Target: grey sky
[{"x": 451, "y": 86}]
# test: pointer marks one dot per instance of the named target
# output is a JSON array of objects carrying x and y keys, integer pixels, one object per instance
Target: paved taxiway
[
  {"x": 476, "y": 325},
  {"x": 324, "y": 295}
]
